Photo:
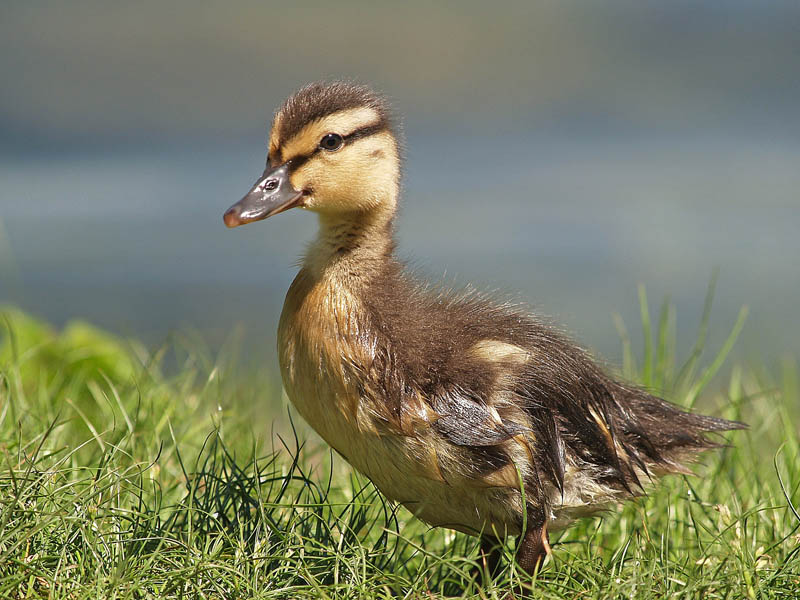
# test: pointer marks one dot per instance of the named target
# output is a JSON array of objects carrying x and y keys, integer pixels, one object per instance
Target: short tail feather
[{"x": 664, "y": 434}]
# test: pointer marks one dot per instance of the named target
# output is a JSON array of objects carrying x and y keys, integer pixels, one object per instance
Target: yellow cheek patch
[
  {"x": 301, "y": 177},
  {"x": 343, "y": 123}
]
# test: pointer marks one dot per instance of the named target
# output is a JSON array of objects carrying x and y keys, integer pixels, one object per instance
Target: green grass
[{"x": 121, "y": 481}]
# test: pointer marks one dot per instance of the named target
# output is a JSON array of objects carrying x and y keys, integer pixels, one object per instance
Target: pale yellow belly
[{"x": 401, "y": 468}]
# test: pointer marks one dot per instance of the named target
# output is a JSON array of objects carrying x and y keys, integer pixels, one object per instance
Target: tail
[{"x": 664, "y": 435}]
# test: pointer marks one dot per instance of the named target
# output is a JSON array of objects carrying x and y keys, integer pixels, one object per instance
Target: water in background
[
  {"x": 135, "y": 242},
  {"x": 566, "y": 151}
]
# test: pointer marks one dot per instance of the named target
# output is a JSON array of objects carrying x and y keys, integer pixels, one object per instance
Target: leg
[
  {"x": 488, "y": 559},
  {"x": 533, "y": 548},
  {"x": 491, "y": 551}
]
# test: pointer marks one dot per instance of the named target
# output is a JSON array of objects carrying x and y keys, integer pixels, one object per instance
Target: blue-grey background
[{"x": 565, "y": 151}]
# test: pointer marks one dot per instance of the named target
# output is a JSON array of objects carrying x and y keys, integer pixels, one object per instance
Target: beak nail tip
[{"x": 230, "y": 219}]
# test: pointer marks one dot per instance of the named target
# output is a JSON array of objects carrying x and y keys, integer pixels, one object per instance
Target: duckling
[{"x": 473, "y": 414}]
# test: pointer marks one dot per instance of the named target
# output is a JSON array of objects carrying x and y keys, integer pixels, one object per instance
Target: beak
[{"x": 273, "y": 193}]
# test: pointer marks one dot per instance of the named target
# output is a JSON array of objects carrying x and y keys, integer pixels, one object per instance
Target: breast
[
  {"x": 322, "y": 341},
  {"x": 315, "y": 338}
]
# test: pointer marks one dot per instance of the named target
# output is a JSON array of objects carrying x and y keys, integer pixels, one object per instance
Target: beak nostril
[{"x": 270, "y": 184}]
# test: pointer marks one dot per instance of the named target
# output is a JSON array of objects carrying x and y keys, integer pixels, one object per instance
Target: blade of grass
[
  {"x": 687, "y": 371},
  {"x": 647, "y": 365},
  {"x": 628, "y": 360},
  {"x": 712, "y": 369},
  {"x": 662, "y": 348}
]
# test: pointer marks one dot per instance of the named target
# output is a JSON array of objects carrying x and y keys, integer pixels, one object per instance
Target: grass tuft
[{"x": 121, "y": 478}]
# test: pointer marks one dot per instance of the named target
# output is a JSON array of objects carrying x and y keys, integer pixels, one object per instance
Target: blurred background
[{"x": 563, "y": 151}]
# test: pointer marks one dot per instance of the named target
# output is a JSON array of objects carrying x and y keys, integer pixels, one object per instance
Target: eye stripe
[
  {"x": 298, "y": 161},
  {"x": 365, "y": 131}
]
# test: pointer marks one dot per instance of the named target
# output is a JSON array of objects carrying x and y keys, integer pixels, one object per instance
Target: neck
[{"x": 352, "y": 247}]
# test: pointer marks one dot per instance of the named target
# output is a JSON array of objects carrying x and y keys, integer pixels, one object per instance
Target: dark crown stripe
[
  {"x": 318, "y": 100},
  {"x": 367, "y": 131}
]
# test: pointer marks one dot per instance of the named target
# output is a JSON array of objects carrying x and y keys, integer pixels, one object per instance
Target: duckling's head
[{"x": 332, "y": 150}]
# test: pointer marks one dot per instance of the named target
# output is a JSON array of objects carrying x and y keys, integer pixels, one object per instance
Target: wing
[{"x": 466, "y": 421}]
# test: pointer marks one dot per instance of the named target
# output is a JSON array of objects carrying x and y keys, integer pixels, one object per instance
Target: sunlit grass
[{"x": 118, "y": 481}]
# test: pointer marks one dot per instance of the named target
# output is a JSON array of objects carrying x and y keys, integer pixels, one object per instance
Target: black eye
[{"x": 331, "y": 142}]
